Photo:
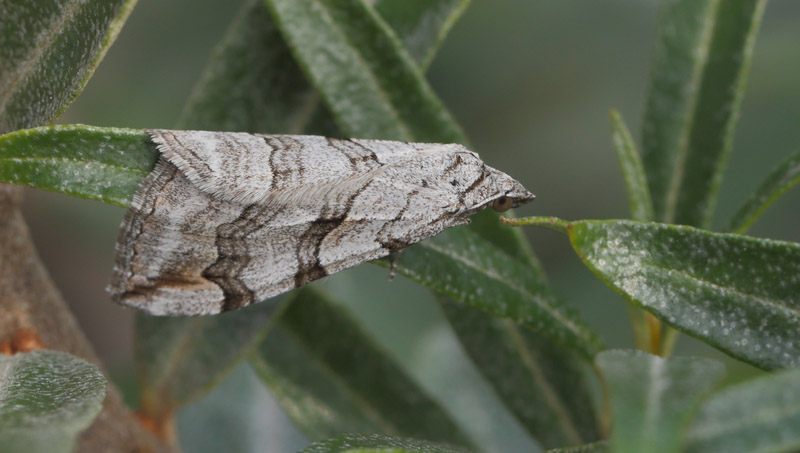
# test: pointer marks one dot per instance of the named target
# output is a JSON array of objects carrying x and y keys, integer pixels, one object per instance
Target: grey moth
[{"x": 225, "y": 220}]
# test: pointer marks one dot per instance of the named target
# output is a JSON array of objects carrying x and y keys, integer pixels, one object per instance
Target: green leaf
[
  {"x": 632, "y": 170},
  {"x": 737, "y": 293},
  {"x": 702, "y": 57},
  {"x": 332, "y": 378},
  {"x": 179, "y": 359},
  {"x": 463, "y": 266},
  {"x": 760, "y": 415},
  {"x": 421, "y": 24},
  {"x": 541, "y": 384},
  {"x": 376, "y": 443},
  {"x": 682, "y": 47},
  {"x": 48, "y": 51},
  {"x": 46, "y": 399},
  {"x": 782, "y": 178},
  {"x": 594, "y": 447},
  {"x": 652, "y": 399},
  {"x": 101, "y": 163},
  {"x": 359, "y": 66}
]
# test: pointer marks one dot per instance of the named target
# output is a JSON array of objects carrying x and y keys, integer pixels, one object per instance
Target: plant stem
[
  {"x": 553, "y": 223},
  {"x": 654, "y": 330}
]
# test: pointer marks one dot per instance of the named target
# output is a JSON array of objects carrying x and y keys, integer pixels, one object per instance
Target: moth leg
[{"x": 395, "y": 257}]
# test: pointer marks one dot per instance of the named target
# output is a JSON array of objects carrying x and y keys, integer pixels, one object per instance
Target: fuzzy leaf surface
[
  {"x": 359, "y": 66},
  {"x": 100, "y": 163},
  {"x": 46, "y": 399},
  {"x": 652, "y": 399},
  {"x": 737, "y": 293},
  {"x": 48, "y": 51}
]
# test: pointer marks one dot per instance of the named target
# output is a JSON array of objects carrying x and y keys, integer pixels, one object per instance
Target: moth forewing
[{"x": 229, "y": 219}]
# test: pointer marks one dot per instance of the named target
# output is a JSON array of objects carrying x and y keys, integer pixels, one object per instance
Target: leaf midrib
[
  {"x": 77, "y": 161},
  {"x": 575, "y": 330}
]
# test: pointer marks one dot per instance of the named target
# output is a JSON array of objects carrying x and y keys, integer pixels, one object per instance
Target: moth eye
[{"x": 502, "y": 204}]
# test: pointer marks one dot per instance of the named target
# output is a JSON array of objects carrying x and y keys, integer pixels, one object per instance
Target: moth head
[
  {"x": 489, "y": 187},
  {"x": 509, "y": 193}
]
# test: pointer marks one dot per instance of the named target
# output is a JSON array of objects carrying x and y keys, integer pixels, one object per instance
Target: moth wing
[
  {"x": 354, "y": 224},
  {"x": 189, "y": 250},
  {"x": 248, "y": 168},
  {"x": 167, "y": 239}
]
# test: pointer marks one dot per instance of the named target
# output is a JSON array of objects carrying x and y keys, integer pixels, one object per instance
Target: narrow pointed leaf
[
  {"x": 48, "y": 51},
  {"x": 652, "y": 399},
  {"x": 360, "y": 68},
  {"x": 717, "y": 109},
  {"x": 179, "y": 359},
  {"x": 100, "y": 163},
  {"x": 760, "y": 415},
  {"x": 632, "y": 170},
  {"x": 375, "y": 443},
  {"x": 333, "y": 379},
  {"x": 782, "y": 178},
  {"x": 702, "y": 58},
  {"x": 542, "y": 385},
  {"x": 465, "y": 267},
  {"x": 682, "y": 47},
  {"x": 46, "y": 399},
  {"x": 737, "y": 293}
]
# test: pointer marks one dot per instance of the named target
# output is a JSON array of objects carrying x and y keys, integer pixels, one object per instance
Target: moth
[{"x": 225, "y": 220}]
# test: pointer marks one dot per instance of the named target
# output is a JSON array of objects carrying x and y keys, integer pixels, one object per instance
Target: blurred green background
[{"x": 531, "y": 82}]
